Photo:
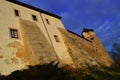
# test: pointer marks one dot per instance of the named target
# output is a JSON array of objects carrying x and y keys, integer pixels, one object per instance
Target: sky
[{"x": 101, "y": 15}]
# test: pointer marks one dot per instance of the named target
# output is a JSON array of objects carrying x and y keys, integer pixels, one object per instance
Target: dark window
[
  {"x": 92, "y": 38},
  {"x": 56, "y": 38},
  {"x": 14, "y": 33},
  {"x": 17, "y": 13},
  {"x": 47, "y": 21},
  {"x": 34, "y": 17}
]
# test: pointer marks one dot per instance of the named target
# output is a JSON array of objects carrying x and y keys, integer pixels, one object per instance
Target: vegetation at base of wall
[{"x": 52, "y": 72}]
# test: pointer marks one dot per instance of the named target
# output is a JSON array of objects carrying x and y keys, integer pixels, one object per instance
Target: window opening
[
  {"x": 56, "y": 38},
  {"x": 14, "y": 33},
  {"x": 17, "y": 13},
  {"x": 34, "y": 17}
]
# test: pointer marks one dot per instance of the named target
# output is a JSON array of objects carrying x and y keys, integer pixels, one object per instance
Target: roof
[
  {"x": 34, "y": 8},
  {"x": 78, "y": 35},
  {"x": 86, "y": 30}
]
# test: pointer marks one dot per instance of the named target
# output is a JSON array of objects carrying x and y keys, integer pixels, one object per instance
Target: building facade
[
  {"x": 31, "y": 36},
  {"x": 24, "y": 29}
]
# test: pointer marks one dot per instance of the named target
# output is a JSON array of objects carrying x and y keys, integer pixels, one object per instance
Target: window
[
  {"x": 14, "y": 33},
  {"x": 56, "y": 38},
  {"x": 17, "y": 13},
  {"x": 34, "y": 17},
  {"x": 92, "y": 38},
  {"x": 47, "y": 21}
]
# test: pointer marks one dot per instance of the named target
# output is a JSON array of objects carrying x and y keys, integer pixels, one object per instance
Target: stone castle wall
[
  {"x": 79, "y": 48},
  {"x": 103, "y": 56}
]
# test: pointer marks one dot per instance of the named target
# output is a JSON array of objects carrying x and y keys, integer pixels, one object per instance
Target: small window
[
  {"x": 14, "y": 33},
  {"x": 56, "y": 38},
  {"x": 92, "y": 38},
  {"x": 34, "y": 17},
  {"x": 17, "y": 13},
  {"x": 47, "y": 21}
]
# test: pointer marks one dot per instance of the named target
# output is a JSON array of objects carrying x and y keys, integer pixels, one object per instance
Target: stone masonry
[{"x": 83, "y": 51}]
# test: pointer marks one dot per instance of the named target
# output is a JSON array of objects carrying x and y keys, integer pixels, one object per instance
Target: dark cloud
[{"x": 101, "y": 15}]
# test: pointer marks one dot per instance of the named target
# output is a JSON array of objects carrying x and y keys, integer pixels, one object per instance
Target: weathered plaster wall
[
  {"x": 21, "y": 52},
  {"x": 25, "y": 50},
  {"x": 13, "y": 53},
  {"x": 10, "y": 59}
]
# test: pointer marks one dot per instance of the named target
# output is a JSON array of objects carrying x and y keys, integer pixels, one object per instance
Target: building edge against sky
[{"x": 30, "y": 36}]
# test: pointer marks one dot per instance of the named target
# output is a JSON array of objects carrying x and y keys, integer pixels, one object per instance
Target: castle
[{"x": 31, "y": 36}]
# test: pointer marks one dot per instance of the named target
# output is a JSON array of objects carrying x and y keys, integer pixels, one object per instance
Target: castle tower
[
  {"x": 88, "y": 34},
  {"x": 102, "y": 55}
]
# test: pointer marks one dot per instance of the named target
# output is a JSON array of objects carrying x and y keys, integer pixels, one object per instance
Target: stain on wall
[
  {"x": 7, "y": 61},
  {"x": 15, "y": 60},
  {"x": 0, "y": 48},
  {"x": 1, "y": 56},
  {"x": 21, "y": 52}
]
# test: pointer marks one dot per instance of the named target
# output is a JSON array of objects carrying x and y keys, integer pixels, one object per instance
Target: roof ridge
[{"x": 34, "y": 8}]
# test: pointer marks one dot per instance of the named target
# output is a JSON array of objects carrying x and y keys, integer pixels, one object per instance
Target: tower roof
[{"x": 86, "y": 30}]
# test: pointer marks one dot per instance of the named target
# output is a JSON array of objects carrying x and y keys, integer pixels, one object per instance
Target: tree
[{"x": 115, "y": 52}]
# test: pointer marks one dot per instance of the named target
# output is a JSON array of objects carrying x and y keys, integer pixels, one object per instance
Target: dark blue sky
[{"x": 101, "y": 15}]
